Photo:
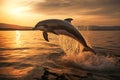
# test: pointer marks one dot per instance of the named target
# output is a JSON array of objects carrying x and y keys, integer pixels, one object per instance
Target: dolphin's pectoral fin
[{"x": 45, "y": 35}]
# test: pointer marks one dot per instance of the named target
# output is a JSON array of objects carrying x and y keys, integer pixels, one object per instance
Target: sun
[
  {"x": 19, "y": 10},
  {"x": 16, "y": 11},
  {"x": 16, "y": 8}
]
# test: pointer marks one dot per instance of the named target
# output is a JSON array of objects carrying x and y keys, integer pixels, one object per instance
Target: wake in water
[{"x": 86, "y": 60}]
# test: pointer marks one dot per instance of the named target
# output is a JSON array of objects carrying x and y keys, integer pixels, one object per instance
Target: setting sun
[{"x": 19, "y": 10}]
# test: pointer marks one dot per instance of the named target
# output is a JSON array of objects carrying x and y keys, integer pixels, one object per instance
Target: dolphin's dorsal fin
[
  {"x": 68, "y": 20},
  {"x": 45, "y": 35}
]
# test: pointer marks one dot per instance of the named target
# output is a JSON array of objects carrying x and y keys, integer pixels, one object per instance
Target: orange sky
[{"x": 84, "y": 12}]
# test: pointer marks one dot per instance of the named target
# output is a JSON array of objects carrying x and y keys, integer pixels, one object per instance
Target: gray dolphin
[{"x": 63, "y": 27}]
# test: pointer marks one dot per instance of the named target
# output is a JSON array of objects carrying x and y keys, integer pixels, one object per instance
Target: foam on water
[{"x": 86, "y": 60}]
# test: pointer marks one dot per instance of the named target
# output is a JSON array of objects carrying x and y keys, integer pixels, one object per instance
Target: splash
[{"x": 86, "y": 60}]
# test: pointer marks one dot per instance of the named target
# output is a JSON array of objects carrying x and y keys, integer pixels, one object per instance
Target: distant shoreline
[{"x": 13, "y": 27}]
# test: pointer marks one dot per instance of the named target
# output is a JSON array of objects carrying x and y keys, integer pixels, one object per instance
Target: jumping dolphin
[{"x": 63, "y": 27}]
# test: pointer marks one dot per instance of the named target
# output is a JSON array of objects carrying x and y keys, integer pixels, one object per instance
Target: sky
[{"x": 84, "y": 12}]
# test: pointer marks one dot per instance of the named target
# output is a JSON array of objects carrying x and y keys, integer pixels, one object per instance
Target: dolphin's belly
[{"x": 64, "y": 32}]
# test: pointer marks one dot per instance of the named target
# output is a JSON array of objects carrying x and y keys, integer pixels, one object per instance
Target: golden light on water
[
  {"x": 15, "y": 72},
  {"x": 18, "y": 39},
  {"x": 18, "y": 35}
]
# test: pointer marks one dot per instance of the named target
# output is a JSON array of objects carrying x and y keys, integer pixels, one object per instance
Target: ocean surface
[{"x": 23, "y": 55}]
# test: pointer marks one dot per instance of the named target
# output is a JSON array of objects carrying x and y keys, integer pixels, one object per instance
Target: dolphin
[{"x": 63, "y": 27}]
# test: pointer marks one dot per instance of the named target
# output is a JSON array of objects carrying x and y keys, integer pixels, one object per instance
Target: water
[
  {"x": 24, "y": 53},
  {"x": 103, "y": 42}
]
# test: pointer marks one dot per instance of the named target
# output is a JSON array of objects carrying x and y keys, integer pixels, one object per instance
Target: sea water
[{"x": 22, "y": 53}]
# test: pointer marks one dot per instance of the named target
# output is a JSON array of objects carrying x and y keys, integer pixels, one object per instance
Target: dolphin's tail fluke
[{"x": 88, "y": 49}]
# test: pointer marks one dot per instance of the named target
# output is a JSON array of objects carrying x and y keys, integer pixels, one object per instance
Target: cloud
[{"x": 109, "y": 8}]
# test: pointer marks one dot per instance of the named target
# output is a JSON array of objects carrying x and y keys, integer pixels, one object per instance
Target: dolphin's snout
[{"x": 33, "y": 29}]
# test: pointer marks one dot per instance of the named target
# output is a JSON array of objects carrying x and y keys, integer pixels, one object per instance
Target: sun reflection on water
[
  {"x": 18, "y": 38},
  {"x": 18, "y": 35}
]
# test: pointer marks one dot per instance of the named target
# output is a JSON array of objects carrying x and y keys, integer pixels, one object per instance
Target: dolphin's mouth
[{"x": 33, "y": 28}]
